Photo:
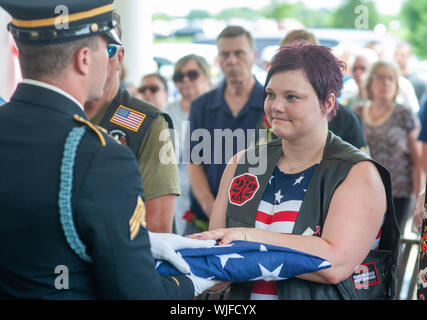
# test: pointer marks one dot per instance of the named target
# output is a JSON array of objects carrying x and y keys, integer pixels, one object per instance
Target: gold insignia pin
[
  {"x": 94, "y": 27},
  {"x": 138, "y": 219}
]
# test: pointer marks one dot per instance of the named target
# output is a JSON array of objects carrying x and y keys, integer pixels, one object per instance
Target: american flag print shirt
[{"x": 277, "y": 212}]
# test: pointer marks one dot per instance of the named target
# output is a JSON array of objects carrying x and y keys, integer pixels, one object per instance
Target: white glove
[
  {"x": 201, "y": 284},
  {"x": 164, "y": 245}
]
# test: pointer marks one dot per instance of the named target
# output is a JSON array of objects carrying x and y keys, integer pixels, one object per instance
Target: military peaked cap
[{"x": 57, "y": 21}]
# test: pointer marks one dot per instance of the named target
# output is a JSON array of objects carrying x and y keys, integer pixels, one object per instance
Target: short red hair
[{"x": 322, "y": 69}]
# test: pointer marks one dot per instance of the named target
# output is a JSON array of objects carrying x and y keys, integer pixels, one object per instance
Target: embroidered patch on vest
[
  {"x": 422, "y": 278},
  {"x": 366, "y": 275},
  {"x": 243, "y": 189},
  {"x": 138, "y": 219},
  {"x": 128, "y": 118},
  {"x": 119, "y": 135},
  {"x": 424, "y": 243}
]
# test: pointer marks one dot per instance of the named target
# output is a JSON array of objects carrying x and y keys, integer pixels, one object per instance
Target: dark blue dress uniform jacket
[{"x": 33, "y": 130}]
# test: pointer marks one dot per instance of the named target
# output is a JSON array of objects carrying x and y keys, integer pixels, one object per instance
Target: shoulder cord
[{"x": 65, "y": 190}]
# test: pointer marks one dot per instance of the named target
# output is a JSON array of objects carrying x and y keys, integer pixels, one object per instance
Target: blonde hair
[{"x": 372, "y": 72}]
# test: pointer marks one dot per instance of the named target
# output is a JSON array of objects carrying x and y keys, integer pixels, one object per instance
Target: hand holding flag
[
  {"x": 165, "y": 245},
  {"x": 242, "y": 261}
]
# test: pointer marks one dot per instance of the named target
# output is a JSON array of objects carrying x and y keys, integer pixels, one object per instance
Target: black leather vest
[
  {"x": 338, "y": 159},
  {"x": 133, "y": 139}
]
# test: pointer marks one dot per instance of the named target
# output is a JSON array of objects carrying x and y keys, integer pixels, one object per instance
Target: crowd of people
[
  {"x": 318, "y": 159},
  {"x": 366, "y": 118},
  {"x": 379, "y": 113}
]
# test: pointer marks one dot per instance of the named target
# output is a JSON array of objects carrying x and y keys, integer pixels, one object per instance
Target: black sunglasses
[
  {"x": 112, "y": 50},
  {"x": 192, "y": 75},
  {"x": 153, "y": 89}
]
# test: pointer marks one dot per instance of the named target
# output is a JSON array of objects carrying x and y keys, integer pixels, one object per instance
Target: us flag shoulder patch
[{"x": 128, "y": 118}]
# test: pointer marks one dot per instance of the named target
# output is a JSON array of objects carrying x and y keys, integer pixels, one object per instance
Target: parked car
[{"x": 188, "y": 31}]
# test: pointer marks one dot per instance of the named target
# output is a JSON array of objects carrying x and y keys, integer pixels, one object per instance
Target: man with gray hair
[{"x": 235, "y": 106}]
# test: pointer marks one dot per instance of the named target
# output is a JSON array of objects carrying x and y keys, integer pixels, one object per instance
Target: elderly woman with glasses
[
  {"x": 391, "y": 131},
  {"x": 192, "y": 79}
]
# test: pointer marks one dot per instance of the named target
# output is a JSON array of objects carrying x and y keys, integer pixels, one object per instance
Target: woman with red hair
[{"x": 318, "y": 194}]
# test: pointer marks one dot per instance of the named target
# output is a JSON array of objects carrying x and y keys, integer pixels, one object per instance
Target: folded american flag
[{"x": 243, "y": 261}]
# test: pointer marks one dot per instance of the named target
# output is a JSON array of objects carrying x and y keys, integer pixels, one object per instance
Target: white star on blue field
[
  {"x": 284, "y": 187},
  {"x": 243, "y": 261}
]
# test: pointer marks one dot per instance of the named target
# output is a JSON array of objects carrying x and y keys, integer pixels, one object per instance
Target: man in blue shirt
[
  {"x": 2, "y": 101},
  {"x": 223, "y": 121}
]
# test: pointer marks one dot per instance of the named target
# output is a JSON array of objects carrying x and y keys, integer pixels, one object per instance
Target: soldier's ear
[{"x": 82, "y": 60}]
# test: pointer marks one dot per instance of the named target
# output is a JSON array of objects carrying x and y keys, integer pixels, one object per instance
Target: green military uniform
[{"x": 139, "y": 125}]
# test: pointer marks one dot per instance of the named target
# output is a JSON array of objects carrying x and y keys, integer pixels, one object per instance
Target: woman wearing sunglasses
[
  {"x": 192, "y": 79},
  {"x": 154, "y": 89}
]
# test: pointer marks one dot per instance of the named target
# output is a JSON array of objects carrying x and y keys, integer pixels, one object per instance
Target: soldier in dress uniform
[{"x": 72, "y": 206}]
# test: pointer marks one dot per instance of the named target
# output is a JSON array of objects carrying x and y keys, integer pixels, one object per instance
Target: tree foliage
[
  {"x": 310, "y": 18},
  {"x": 161, "y": 16},
  {"x": 279, "y": 10},
  {"x": 414, "y": 16},
  {"x": 346, "y": 15},
  {"x": 198, "y": 14},
  {"x": 244, "y": 13}
]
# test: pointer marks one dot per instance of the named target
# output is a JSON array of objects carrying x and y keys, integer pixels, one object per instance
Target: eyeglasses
[
  {"x": 153, "y": 89},
  {"x": 382, "y": 78},
  {"x": 192, "y": 75},
  {"x": 112, "y": 50}
]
